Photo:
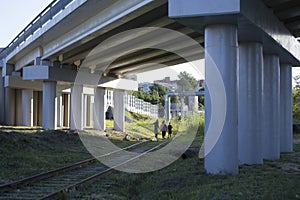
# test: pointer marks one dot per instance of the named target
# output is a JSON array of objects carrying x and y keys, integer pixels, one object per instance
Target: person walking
[
  {"x": 156, "y": 127},
  {"x": 170, "y": 130},
  {"x": 163, "y": 129}
]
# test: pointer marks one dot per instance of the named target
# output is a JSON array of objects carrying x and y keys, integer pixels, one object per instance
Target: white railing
[{"x": 134, "y": 104}]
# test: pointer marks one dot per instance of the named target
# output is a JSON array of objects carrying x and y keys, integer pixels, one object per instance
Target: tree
[
  {"x": 296, "y": 99},
  {"x": 186, "y": 82},
  {"x": 156, "y": 95}
]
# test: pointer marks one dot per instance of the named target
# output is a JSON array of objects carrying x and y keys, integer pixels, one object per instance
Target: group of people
[{"x": 163, "y": 128}]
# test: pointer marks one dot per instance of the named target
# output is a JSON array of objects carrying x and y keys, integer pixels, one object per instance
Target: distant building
[
  {"x": 146, "y": 86},
  {"x": 167, "y": 82}
]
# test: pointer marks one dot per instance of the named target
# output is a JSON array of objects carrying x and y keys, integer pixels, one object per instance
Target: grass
[
  {"x": 186, "y": 179},
  {"x": 25, "y": 152}
]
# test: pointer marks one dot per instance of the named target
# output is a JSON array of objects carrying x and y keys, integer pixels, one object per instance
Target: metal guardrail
[{"x": 38, "y": 22}]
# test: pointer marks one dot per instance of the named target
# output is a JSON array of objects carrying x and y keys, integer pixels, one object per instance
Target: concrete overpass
[{"x": 250, "y": 45}]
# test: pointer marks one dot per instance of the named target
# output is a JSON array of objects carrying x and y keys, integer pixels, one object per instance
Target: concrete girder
[
  {"x": 143, "y": 38},
  {"x": 104, "y": 21},
  {"x": 28, "y": 58},
  {"x": 181, "y": 46},
  {"x": 18, "y": 83},
  {"x": 154, "y": 66},
  {"x": 150, "y": 65},
  {"x": 70, "y": 57}
]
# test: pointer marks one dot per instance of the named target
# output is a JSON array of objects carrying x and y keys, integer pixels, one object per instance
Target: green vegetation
[
  {"x": 186, "y": 82},
  {"x": 296, "y": 99},
  {"x": 156, "y": 95},
  {"x": 187, "y": 179},
  {"x": 25, "y": 152}
]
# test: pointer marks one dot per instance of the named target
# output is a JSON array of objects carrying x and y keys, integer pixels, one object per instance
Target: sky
[{"x": 15, "y": 15}]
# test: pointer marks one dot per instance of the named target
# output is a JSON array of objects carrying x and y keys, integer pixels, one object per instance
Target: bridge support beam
[
  {"x": 76, "y": 114},
  {"x": 250, "y": 75},
  {"x": 271, "y": 111},
  {"x": 222, "y": 52},
  {"x": 27, "y": 107},
  {"x": 49, "y": 112},
  {"x": 119, "y": 110},
  {"x": 286, "y": 117},
  {"x": 99, "y": 109}
]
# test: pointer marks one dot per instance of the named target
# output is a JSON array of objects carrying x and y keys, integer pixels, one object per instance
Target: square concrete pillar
[
  {"x": 99, "y": 109},
  {"x": 27, "y": 107},
  {"x": 49, "y": 111},
  {"x": 2, "y": 99},
  {"x": 88, "y": 111},
  {"x": 10, "y": 106},
  {"x": 59, "y": 111},
  {"x": 271, "y": 109},
  {"x": 18, "y": 105},
  {"x": 66, "y": 110},
  {"x": 77, "y": 104},
  {"x": 119, "y": 110},
  {"x": 286, "y": 111},
  {"x": 250, "y": 103},
  {"x": 37, "y": 108},
  {"x": 221, "y": 136}
]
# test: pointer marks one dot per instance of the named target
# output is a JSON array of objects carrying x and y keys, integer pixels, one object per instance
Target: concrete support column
[
  {"x": 168, "y": 108},
  {"x": 35, "y": 108},
  {"x": 59, "y": 111},
  {"x": 119, "y": 110},
  {"x": 18, "y": 107},
  {"x": 76, "y": 114},
  {"x": 49, "y": 112},
  {"x": 84, "y": 111},
  {"x": 10, "y": 108},
  {"x": 250, "y": 103},
  {"x": 27, "y": 107},
  {"x": 271, "y": 111},
  {"x": 88, "y": 111},
  {"x": 99, "y": 109},
  {"x": 221, "y": 61},
  {"x": 66, "y": 110},
  {"x": 286, "y": 115},
  {"x": 2, "y": 99}
]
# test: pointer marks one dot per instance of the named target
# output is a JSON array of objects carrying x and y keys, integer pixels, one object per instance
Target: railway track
[{"x": 51, "y": 184}]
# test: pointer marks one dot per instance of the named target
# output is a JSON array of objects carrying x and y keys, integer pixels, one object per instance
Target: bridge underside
[{"x": 250, "y": 48}]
